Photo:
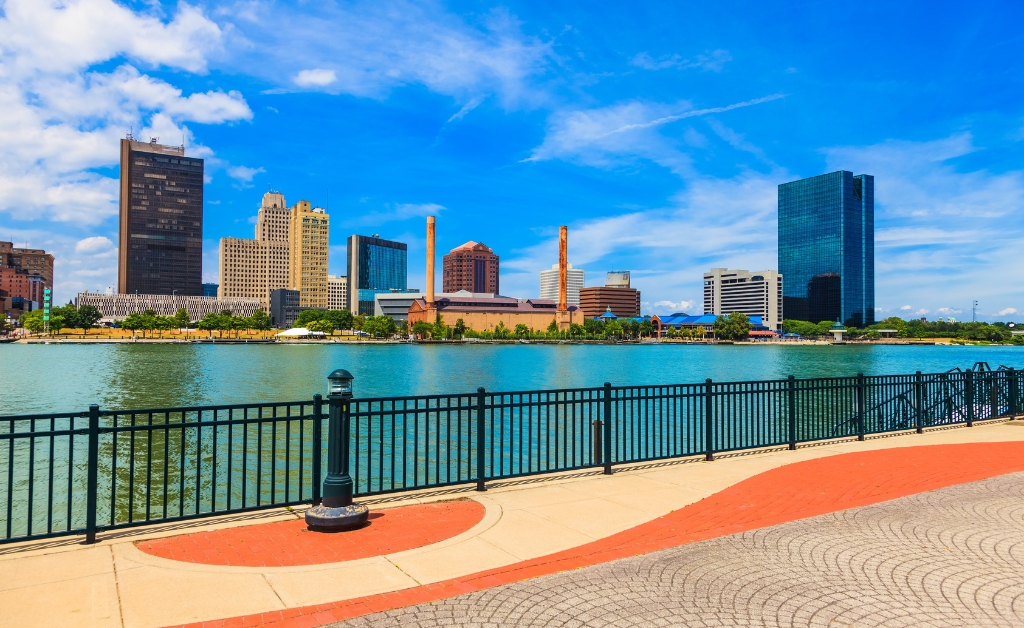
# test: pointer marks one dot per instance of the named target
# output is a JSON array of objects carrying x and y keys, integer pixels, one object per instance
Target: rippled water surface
[{"x": 41, "y": 378}]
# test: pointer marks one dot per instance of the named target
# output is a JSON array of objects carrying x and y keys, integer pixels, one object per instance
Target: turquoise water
[{"x": 43, "y": 378}]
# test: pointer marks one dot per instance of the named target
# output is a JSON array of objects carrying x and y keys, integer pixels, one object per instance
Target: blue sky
[{"x": 657, "y": 131}]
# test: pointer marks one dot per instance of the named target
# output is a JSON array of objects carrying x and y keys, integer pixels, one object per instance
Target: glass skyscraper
[
  {"x": 375, "y": 265},
  {"x": 827, "y": 248}
]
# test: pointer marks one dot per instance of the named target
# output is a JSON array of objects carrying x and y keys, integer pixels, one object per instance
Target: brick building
[
  {"x": 616, "y": 294},
  {"x": 472, "y": 267}
]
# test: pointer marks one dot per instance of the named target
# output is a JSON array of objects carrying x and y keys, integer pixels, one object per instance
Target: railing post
[
  {"x": 607, "y": 428},
  {"x": 596, "y": 446},
  {"x": 861, "y": 395},
  {"x": 709, "y": 433},
  {"x": 317, "y": 457},
  {"x": 481, "y": 440},
  {"x": 791, "y": 410},
  {"x": 1012, "y": 388},
  {"x": 94, "y": 454},
  {"x": 919, "y": 402},
  {"x": 969, "y": 396},
  {"x": 993, "y": 394}
]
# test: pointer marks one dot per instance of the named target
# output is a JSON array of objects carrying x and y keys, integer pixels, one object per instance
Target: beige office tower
[
  {"x": 337, "y": 292},
  {"x": 254, "y": 268},
  {"x": 309, "y": 232}
]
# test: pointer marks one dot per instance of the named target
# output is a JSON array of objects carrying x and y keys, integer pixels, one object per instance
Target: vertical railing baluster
[
  {"x": 607, "y": 428},
  {"x": 480, "y": 440},
  {"x": 861, "y": 394},
  {"x": 93, "y": 461},
  {"x": 791, "y": 410},
  {"x": 316, "y": 458},
  {"x": 969, "y": 396},
  {"x": 709, "y": 434},
  {"x": 918, "y": 402}
]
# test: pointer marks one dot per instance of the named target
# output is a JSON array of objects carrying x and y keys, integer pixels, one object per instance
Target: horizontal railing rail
[{"x": 85, "y": 472}]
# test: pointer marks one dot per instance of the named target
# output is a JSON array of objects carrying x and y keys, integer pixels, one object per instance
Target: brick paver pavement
[{"x": 949, "y": 557}]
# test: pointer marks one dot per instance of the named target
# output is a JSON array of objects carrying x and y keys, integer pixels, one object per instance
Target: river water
[{"x": 68, "y": 377}]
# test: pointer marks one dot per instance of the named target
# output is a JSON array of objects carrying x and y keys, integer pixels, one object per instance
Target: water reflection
[{"x": 46, "y": 378}]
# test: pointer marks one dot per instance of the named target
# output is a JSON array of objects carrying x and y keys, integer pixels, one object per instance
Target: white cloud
[
  {"x": 921, "y": 312},
  {"x": 714, "y": 61},
  {"x": 1005, "y": 311},
  {"x": 671, "y": 307},
  {"x": 397, "y": 212},
  {"x": 941, "y": 231},
  {"x": 61, "y": 121},
  {"x": 906, "y": 308},
  {"x": 371, "y": 48},
  {"x": 469, "y": 106},
  {"x": 315, "y": 78},
  {"x": 612, "y": 135},
  {"x": 94, "y": 245},
  {"x": 244, "y": 174}
]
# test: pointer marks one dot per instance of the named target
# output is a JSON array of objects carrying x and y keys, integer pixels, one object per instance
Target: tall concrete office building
[
  {"x": 255, "y": 268},
  {"x": 472, "y": 267},
  {"x": 375, "y": 265},
  {"x": 575, "y": 280},
  {"x": 827, "y": 248},
  {"x": 309, "y": 232},
  {"x": 160, "y": 248},
  {"x": 754, "y": 293}
]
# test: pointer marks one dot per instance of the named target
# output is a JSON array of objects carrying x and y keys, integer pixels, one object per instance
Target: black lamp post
[{"x": 337, "y": 512}]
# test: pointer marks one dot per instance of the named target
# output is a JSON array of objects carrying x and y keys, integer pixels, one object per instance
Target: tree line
[{"x": 914, "y": 328}]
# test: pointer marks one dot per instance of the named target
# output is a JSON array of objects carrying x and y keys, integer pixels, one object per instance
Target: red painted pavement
[
  {"x": 796, "y": 491},
  {"x": 289, "y": 543}
]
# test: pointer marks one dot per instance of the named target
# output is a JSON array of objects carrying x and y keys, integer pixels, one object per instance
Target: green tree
[
  {"x": 613, "y": 329},
  {"x": 501, "y": 332},
  {"x": 322, "y": 324},
  {"x": 260, "y": 320},
  {"x": 403, "y": 329},
  {"x": 86, "y": 317},
  {"x": 522, "y": 331},
  {"x": 181, "y": 318},
  {"x": 460, "y": 328},
  {"x": 32, "y": 321},
  {"x": 308, "y": 316},
  {"x": 56, "y": 323},
  {"x": 132, "y": 322},
  {"x": 553, "y": 328},
  {"x": 594, "y": 326},
  {"x": 735, "y": 326},
  {"x": 646, "y": 328},
  {"x": 576, "y": 330},
  {"x": 341, "y": 319},
  {"x": 422, "y": 329},
  {"x": 210, "y": 323},
  {"x": 440, "y": 330}
]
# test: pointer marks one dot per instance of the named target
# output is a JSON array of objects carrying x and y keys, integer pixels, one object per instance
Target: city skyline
[{"x": 657, "y": 134}]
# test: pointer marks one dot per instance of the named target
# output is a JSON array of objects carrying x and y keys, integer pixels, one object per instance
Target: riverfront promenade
[{"x": 654, "y": 544}]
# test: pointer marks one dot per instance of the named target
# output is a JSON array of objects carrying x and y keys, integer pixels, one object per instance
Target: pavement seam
[
  {"x": 276, "y": 594},
  {"x": 117, "y": 585}
]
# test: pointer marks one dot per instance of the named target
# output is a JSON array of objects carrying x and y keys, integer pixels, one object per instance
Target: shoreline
[{"x": 476, "y": 341}]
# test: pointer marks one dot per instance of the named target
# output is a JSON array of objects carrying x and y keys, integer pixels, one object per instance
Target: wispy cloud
[
  {"x": 244, "y": 174},
  {"x": 397, "y": 212},
  {"x": 713, "y": 61},
  {"x": 469, "y": 106},
  {"x": 315, "y": 78}
]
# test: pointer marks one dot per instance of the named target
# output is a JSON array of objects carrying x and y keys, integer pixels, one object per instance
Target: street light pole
[{"x": 337, "y": 512}]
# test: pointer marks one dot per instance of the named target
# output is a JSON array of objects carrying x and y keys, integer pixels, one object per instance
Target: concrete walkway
[{"x": 113, "y": 583}]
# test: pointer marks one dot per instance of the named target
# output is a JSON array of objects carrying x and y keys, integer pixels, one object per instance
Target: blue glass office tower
[
  {"x": 827, "y": 248},
  {"x": 375, "y": 265}
]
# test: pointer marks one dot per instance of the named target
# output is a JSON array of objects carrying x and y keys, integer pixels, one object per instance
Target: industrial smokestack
[
  {"x": 430, "y": 259},
  {"x": 563, "y": 268}
]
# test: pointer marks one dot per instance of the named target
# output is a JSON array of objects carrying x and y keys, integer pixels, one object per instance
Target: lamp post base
[{"x": 323, "y": 519}]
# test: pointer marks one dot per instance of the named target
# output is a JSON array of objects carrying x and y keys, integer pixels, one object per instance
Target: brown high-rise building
[
  {"x": 472, "y": 267},
  {"x": 616, "y": 295},
  {"x": 35, "y": 264},
  {"x": 160, "y": 248}
]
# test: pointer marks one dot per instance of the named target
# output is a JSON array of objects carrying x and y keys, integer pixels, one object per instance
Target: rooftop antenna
[{"x": 131, "y": 135}]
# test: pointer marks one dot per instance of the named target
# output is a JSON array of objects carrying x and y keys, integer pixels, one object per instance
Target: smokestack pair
[{"x": 563, "y": 264}]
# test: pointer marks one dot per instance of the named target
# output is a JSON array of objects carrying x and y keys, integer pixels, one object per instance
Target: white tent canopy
[{"x": 300, "y": 332}]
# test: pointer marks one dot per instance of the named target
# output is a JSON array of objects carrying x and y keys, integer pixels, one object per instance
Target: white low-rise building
[
  {"x": 754, "y": 293},
  {"x": 117, "y": 307}
]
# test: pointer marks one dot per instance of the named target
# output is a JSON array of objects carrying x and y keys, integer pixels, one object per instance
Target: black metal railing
[{"x": 84, "y": 472}]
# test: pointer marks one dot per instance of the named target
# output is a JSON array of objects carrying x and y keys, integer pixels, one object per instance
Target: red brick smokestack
[
  {"x": 430, "y": 259},
  {"x": 563, "y": 268}
]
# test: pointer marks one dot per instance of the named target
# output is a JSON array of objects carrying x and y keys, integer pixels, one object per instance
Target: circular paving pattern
[
  {"x": 950, "y": 557},
  {"x": 289, "y": 543}
]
